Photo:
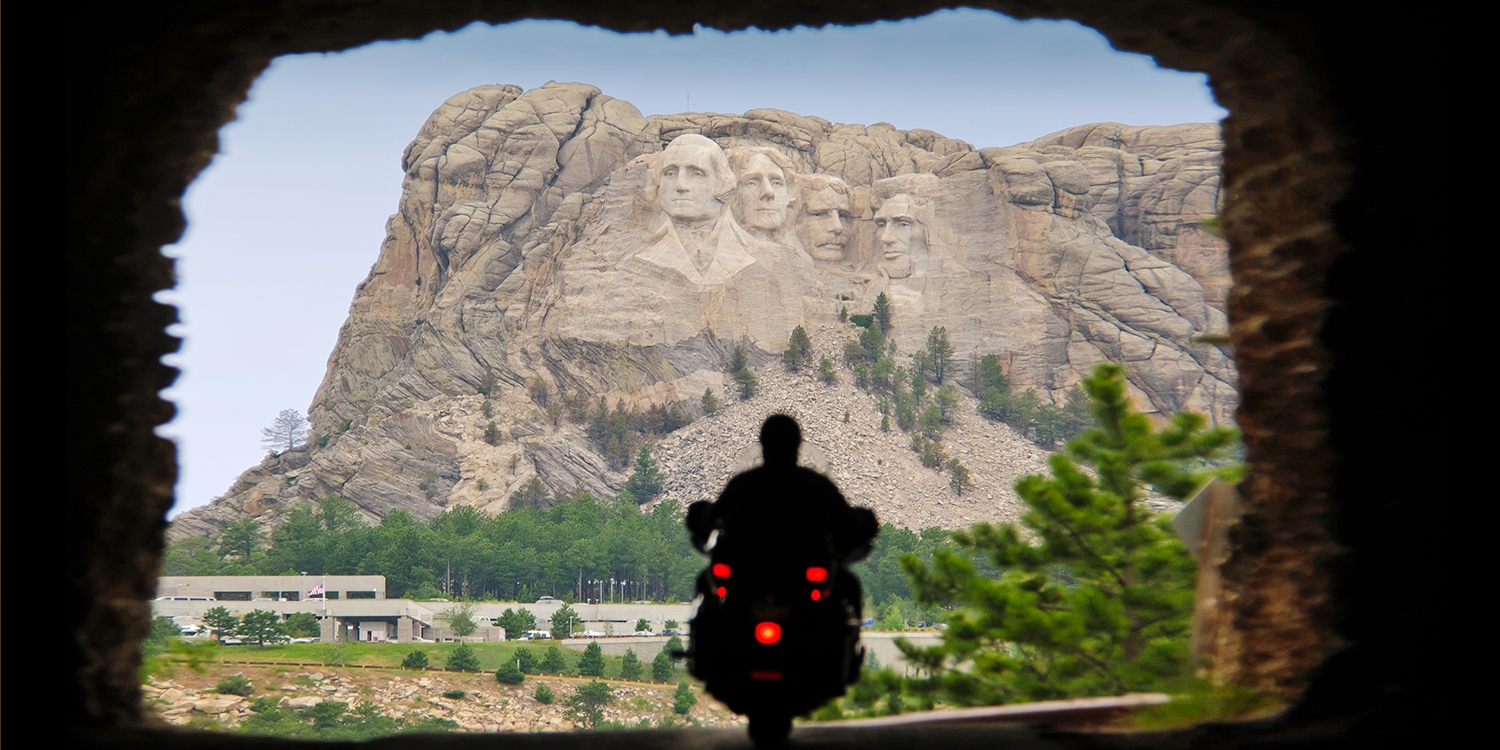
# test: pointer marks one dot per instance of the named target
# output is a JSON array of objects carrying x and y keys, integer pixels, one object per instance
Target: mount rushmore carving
[{"x": 558, "y": 236}]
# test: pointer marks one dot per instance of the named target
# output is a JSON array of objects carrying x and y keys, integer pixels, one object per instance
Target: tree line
[{"x": 518, "y": 555}]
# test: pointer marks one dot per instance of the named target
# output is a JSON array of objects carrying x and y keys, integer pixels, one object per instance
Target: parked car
[
  {"x": 548, "y": 600},
  {"x": 591, "y": 634}
]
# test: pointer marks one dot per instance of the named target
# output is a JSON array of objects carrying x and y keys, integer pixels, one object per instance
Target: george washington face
[{"x": 688, "y": 183}]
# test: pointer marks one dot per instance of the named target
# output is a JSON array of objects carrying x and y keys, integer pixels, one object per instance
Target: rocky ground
[
  {"x": 488, "y": 706},
  {"x": 874, "y": 468}
]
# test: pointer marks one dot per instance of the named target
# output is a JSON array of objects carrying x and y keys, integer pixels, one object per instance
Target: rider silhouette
[
  {"x": 780, "y": 506},
  {"x": 776, "y": 633}
]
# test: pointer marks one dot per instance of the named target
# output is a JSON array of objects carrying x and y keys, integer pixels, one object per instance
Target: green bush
[
  {"x": 415, "y": 660},
  {"x": 163, "y": 630},
  {"x": 510, "y": 674},
  {"x": 235, "y": 684},
  {"x": 544, "y": 694},
  {"x": 454, "y": 695},
  {"x": 526, "y": 661},
  {"x": 302, "y": 625}
]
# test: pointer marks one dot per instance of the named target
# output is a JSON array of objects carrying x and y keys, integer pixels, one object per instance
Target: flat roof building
[{"x": 290, "y": 588}]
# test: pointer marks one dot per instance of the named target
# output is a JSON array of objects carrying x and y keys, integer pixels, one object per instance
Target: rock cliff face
[{"x": 576, "y": 249}]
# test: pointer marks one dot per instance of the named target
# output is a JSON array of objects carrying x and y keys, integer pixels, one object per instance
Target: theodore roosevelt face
[{"x": 826, "y": 223}]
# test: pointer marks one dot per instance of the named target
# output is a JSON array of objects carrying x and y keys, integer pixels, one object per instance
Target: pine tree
[
  {"x": 661, "y": 667},
  {"x": 261, "y": 626},
  {"x": 939, "y": 352},
  {"x": 1096, "y": 594},
  {"x": 552, "y": 661},
  {"x": 826, "y": 372},
  {"x": 544, "y": 694},
  {"x": 220, "y": 622},
  {"x": 646, "y": 481},
  {"x": 747, "y": 382},
  {"x": 287, "y": 431},
  {"x": 882, "y": 313},
  {"x": 684, "y": 700},
  {"x": 564, "y": 622},
  {"x": 958, "y": 477},
  {"x": 589, "y": 700},
  {"x": 738, "y": 361},
  {"x": 798, "y": 349},
  {"x": 462, "y": 659},
  {"x": 630, "y": 665},
  {"x": 710, "y": 402},
  {"x": 591, "y": 664}
]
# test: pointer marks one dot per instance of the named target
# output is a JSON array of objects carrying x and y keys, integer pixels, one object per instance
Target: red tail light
[
  {"x": 768, "y": 633},
  {"x": 817, "y": 575},
  {"x": 764, "y": 674},
  {"x": 721, "y": 570},
  {"x": 816, "y": 595},
  {"x": 722, "y": 591}
]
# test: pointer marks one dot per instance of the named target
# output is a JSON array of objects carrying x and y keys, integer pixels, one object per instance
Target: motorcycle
[{"x": 776, "y": 633}]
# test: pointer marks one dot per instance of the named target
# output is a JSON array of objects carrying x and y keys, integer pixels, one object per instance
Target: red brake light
[
  {"x": 768, "y": 633},
  {"x": 817, "y": 575},
  {"x": 816, "y": 595},
  {"x": 721, "y": 570},
  {"x": 722, "y": 591}
]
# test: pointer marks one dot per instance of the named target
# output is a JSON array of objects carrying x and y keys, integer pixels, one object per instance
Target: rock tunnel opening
[{"x": 1283, "y": 149}]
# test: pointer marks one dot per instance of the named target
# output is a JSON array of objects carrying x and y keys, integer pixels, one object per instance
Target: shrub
[
  {"x": 455, "y": 695},
  {"x": 510, "y": 673},
  {"x": 302, "y": 625},
  {"x": 235, "y": 684},
  {"x": 526, "y": 660},
  {"x": 544, "y": 694},
  {"x": 415, "y": 660}
]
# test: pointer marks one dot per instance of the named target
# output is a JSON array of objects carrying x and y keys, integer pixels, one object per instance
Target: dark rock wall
[{"x": 1317, "y": 256}]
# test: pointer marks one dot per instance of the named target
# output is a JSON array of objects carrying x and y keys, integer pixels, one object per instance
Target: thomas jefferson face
[
  {"x": 826, "y": 223},
  {"x": 763, "y": 193},
  {"x": 896, "y": 226},
  {"x": 688, "y": 183}
]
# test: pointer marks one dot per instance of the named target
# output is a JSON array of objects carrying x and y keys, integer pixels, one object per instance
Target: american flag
[{"x": 317, "y": 591}]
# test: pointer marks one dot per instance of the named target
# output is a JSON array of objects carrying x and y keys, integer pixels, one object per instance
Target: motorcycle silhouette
[{"x": 776, "y": 633}]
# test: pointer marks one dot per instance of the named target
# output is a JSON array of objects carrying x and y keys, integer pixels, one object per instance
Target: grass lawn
[{"x": 389, "y": 655}]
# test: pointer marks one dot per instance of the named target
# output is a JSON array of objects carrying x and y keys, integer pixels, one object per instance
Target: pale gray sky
[{"x": 290, "y": 215}]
